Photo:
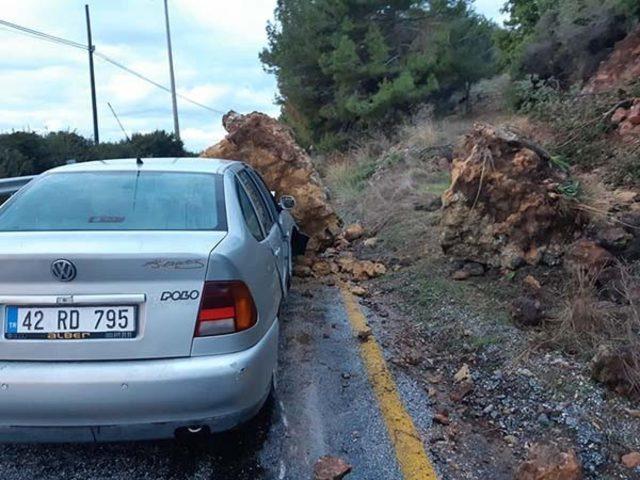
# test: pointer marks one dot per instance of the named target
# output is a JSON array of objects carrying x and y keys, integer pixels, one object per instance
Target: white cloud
[
  {"x": 240, "y": 20},
  {"x": 203, "y": 137},
  {"x": 208, "y": 93}
]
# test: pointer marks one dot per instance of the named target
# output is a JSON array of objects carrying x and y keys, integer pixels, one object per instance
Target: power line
[
  {"x": 70, "y": 43},
  {"x": 153, "y": 82},
  {"x": 43, "y": 36}
]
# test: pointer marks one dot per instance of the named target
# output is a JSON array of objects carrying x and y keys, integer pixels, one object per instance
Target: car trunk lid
[{"x": 160, "y": 273}]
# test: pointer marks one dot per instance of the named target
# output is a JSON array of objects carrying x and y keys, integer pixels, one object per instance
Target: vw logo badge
[{"x": 63, "y": 270}]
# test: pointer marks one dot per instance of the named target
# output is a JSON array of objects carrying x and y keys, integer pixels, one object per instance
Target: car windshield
[{"x": 132, "y": 200}]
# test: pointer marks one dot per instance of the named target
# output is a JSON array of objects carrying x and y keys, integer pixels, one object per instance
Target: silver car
[{"x": 140, "y": 298}]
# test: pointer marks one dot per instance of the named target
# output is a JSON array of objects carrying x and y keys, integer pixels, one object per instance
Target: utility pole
[
  {"x": 96, "y": 135},
  {"x": 176, "y": 125}
]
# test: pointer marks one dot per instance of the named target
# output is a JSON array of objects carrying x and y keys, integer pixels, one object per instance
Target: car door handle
[{"x": 276, "y": 251}]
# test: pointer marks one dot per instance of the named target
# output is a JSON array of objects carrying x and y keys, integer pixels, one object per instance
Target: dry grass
[{"x": 589, "y": 326}]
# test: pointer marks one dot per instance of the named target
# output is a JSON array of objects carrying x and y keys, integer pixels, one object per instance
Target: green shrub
[{"x": 29, "y": 153}]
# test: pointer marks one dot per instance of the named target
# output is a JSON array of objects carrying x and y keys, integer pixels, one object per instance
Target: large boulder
[
  {"x": 269, "y": 147},
  {"x": 502, "y": 208}
]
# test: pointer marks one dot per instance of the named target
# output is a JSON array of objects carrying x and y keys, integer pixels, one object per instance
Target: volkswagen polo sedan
[{"x": 139, "y": 298}]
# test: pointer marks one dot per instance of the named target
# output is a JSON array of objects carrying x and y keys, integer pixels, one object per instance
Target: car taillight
[{"x": 226, "y": 307}]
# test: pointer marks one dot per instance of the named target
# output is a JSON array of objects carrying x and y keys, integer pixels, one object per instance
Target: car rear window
[{"x": 135, "y": 200}]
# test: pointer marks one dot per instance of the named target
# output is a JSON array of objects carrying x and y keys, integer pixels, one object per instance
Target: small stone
[
  {"x": 511, "y": 439},
  {"x": 631, "y": 460},
  {"x": 532, "y": 283},
  {"x": 619, "y": 115},
  {"x": 364, "y": 334},
  {"x": 526, "y": 311},
  {"x": 633, "y": 413},
  {"x": 353, "y": 232},
  {"x": 302, "y": 271},
  {"x": 475, "y": 269},
  {"x": 433, "y": 378},
  {"x": 442, "y": 418},
  {"x": 463, "y": 374},
  {"x": 460, "y": 275},
  {"x": 321, "y": 268},
  {"x": 371, "y": 242},
  {"x": 330, "y": 468},
  {"x": 358, "y": 291},
  {"x": 461, "y": 391},
  {"x": 550, "y": 462},
  {"x": 543, "y": 419}
]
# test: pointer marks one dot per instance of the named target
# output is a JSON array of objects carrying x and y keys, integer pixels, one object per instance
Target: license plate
[{"x": 70, "y": 323}]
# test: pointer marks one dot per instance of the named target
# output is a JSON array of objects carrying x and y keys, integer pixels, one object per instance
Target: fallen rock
[
  {"x": 532, "y": 283},
  {"x": 463, "y": 374},
  {"x": 549, "y": 462},
  {"x": 269, "y": 147},
  {"x": 614, "y": 238},
  {"x": 302, "y": 271},
  {"x": 615, "y": 368},
  {"x": 330, "y": 468},
  {"x": 370, "y": 242},
  {"x": 321, "y": 268},
  {"x": 358, "y": 291},
  {"x": 441, "y": 418},
  {"x": 462, "y": 390},
  {"x": 475, "y": 269},
  {"x": 587, "y": 256},
  {"x": 364, "y": 334},
  {"x": 619, "y": 115},
  {"x": 360, "y": 269},
  {"x": 631, "y": 460},
  {"x": 502, "y": 208},
  {"x": 460, "y": 275},
  {"x": 526, "y": 311},
  {"x": 353, "y": 232}
]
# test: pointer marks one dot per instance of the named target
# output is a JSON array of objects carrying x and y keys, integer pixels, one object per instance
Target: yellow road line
[{"x": 412, "y": 458}]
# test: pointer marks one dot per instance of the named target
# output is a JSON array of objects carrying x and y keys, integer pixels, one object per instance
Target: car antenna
[{"x": 139, "y": 161}]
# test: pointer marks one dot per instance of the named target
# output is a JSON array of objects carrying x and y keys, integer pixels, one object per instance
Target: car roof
[{"x": 171, "y": 164}]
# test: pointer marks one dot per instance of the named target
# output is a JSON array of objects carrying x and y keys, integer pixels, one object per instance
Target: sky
[{"x": 45, "y": 86}]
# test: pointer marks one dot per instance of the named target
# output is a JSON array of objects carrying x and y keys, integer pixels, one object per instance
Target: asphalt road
[{"x": 324, "y": 406}]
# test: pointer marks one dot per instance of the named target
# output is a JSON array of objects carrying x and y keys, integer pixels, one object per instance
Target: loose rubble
[{"x": 627, "y": 121}]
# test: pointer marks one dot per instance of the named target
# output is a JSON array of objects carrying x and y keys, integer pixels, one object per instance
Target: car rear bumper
[{"x": 130, "y": 400}]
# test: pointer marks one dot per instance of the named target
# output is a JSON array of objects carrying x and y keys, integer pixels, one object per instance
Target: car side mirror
[{"x": 287, "y": 202}]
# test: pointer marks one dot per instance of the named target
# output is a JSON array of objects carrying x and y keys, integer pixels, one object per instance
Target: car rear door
[
  {"x": 265, "y": 274},
  {"x": 285, "y": 225}
]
